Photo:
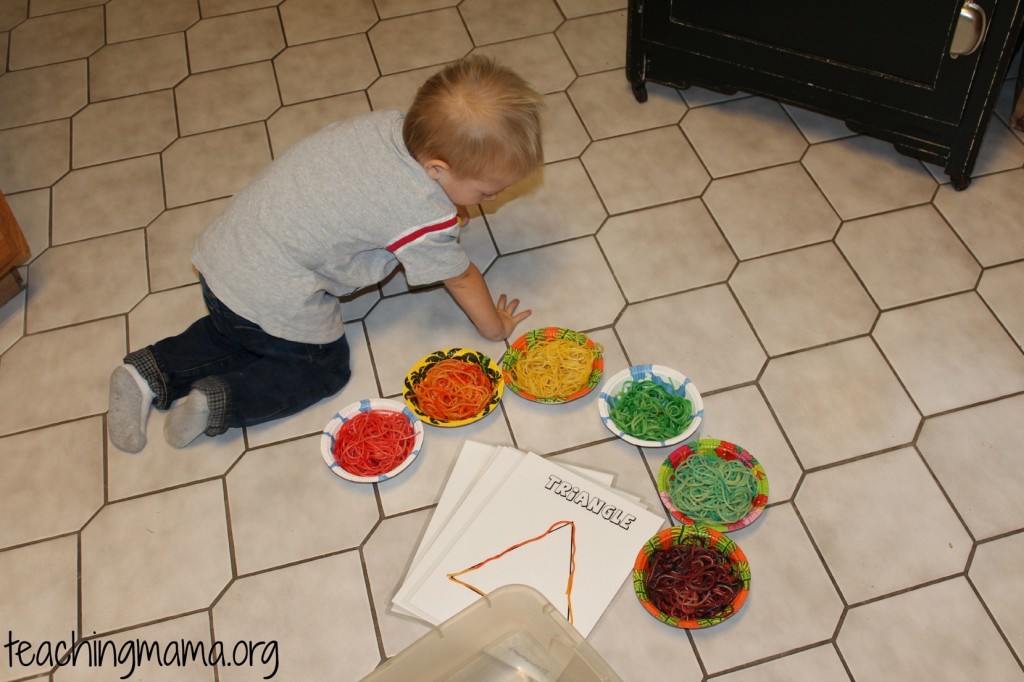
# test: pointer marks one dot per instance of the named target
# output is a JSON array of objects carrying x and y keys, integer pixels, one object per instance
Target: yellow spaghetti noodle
[{"x": 555, "y": 368}]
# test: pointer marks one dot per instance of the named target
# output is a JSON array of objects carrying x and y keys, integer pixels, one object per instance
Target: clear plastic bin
[{"x": 512, "y": 634}]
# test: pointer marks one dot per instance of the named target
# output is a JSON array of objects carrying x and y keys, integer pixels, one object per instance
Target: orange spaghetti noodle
[
  {"x": 373, "y": 443},
  {"x": 453, "y": 390},
  {"x": 454, "y": 577}
]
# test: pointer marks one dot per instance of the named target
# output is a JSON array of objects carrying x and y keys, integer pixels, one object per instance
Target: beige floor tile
[
  {"x": 39, "y": 593},
  {"x": 135, "y": 548},
  {"x": 387, "y": 554},
  {"x": 234, "y": 39},
  {"x": 324, "y": 69},
  {"x": 988, "y": 217},
  {"x": 32, "y": 211},
  {"x": 12, "y": 13},
  {"x": 12, "y": 321},
  {"x": 950, "y": 353},
  {"x": 770, "y": 210},
  {"x": 164, "y": 314},
  {"x": 564, "y": 136},
  {"x": 790, "y": 579},
  {"x": 696, "y": 96},
  {"x": 306, "y": 21},
  {"x": 100, "y": 200},
  {"x": 214, "y": 8},
  {"x": 59, "y": 375},
  {"x": 674, "y": 331},
  {"x": 987, "y": 496},
  {"x": 862, "y": 176},
  {"x": 540, "y": 60},
  {"x": 161, "y": 467},
  {"x": 594, "y": 42},
  {"x": 935, "y": 632},
  {"x": 907, "y": 256},
  {"x": 490, "y": 22},
  {"x": 43, "y": 94},
  {"x": 56, "y": 38},
  {"x": 817, "y": 127},
  {"x": 645, "y": 169},
  {"x": 138, "y": 66},
  {"x": 607, "y": 106},
  {"x": 401, "y": 330},
  {"x": 50, "y": 159},
  {"x": 578, "y": 8},
  {"x": 278, "y": 496},
  {"x": 298, "y": 607},
  {"x": 838, "y": 402},
  {"x": 554, "y": 204},
  {"x": 204, "y": 101},
  {"x": 123, "y": 128},
  {"x": 743, "y": 417},
  {"x": 290, "y": 124},
  {"x": 992, "y": 570},
  {"x": 811, "y": 665},
  {"x": 894, "y": 487},
  {"x": 56, "y": 471},
  {"x": 394, "y": 8},
  {"x": 169, "y": 241},
  {"x": 1001, "y": 287},
  {"x": 213, "y": 165},
  {"x": 426, "y": 39},
  {"x": 87, "y": 280},
  {"x": 678, "y": 241},
  {"x": 567, "y": 284},
  {"x": 742, "y": 135},
  {"x": 802, "y": 298},
  {"x": 194, "y": 628},
  {"x": 131, "y": 19}
]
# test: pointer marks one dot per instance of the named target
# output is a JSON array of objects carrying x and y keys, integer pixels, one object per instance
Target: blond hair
[{"x": 480, "y": 118}]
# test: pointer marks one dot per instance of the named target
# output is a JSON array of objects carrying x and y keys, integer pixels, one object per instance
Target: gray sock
[
  {"x": 130, "y": 401},
  {"x": 187, "y": 419}
]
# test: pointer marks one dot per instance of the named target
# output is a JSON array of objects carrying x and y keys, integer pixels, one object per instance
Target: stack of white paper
[{"x": 509, "y": 517}]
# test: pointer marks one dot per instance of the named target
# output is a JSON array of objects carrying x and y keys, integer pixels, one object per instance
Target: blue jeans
[{"x": 249, "y": 377}]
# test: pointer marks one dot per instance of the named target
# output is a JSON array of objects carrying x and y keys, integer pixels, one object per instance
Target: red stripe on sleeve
[{"x": 417, "y": 233}]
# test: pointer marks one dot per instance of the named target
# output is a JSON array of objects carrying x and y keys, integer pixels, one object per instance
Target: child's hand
[{"x": 507, "y": 312}]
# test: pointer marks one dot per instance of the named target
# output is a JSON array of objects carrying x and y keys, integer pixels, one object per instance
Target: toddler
[{"x": 338, "y": 211}]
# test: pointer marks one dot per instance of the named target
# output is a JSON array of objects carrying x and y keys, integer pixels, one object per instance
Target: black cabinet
[{"x": 921, "y": 74}]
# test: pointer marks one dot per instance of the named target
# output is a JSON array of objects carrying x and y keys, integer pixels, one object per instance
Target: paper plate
[
  {"x": 705, "y": 537},
  {"x": 710, "y": 447},
  {"x": 670, "y": 379},
  {"x": 330, "y": 432},
  {"x": 527, "y": 342},
  {"x": 421, "y": 368}
]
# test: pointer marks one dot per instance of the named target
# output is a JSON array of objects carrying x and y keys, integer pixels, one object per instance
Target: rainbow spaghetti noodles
[
  {"x": 453, "y": 390},
  {"x": 649, "y": 411},
  {"x": 555, "y": 368}
]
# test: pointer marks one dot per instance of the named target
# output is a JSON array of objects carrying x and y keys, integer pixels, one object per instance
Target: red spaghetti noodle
[
  {"x": 373, "y": 443},
  {"x": 691, "y": 582},
  {"x": 453, "y": 390}
]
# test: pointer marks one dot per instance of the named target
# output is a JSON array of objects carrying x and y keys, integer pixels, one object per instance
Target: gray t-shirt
[{"x": 337, "y": 212}]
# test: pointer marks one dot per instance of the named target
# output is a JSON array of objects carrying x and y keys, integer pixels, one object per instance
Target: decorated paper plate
[
  {"x": 714, "y": 483},
  {"x": 552, "y": 365},
  {"x": 670, "y": 557},
  {"x": 453, "y": 387},
  {"x": 651, "y": 406},
  {"x": 385, "y": 438}
]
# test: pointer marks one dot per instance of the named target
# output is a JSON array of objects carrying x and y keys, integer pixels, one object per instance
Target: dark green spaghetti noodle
[{"x": 648, "y": 411}]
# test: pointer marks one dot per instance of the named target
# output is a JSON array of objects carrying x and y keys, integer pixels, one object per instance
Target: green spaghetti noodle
[
  {"x": 648, "y": 411},
  {"x": 712, "y": 490}
]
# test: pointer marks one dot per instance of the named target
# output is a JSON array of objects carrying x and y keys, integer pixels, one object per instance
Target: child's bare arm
[{"x": 493, "y": 321}]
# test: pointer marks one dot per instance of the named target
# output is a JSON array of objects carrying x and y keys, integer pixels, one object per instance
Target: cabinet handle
[{"x": 970, "y": 30}]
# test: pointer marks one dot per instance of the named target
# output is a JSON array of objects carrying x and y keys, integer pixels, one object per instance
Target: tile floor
[{"x": 849, "y": 318}]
